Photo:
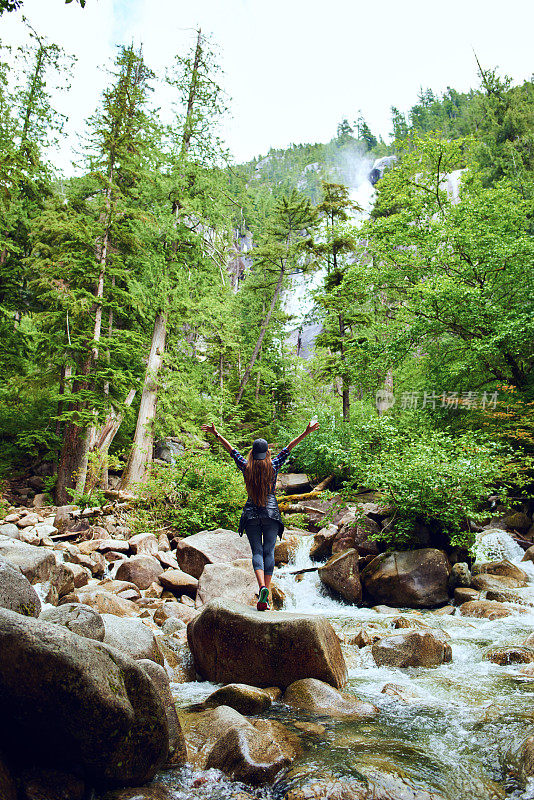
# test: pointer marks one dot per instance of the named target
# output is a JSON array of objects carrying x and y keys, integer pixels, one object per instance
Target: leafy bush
[{"x": 199, "y": 493}]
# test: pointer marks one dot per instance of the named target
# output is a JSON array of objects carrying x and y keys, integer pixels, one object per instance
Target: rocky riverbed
[{"x": 140, "y": 661}]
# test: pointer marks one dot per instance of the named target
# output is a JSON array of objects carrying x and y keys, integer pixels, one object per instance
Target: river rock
[
  {"x": 174, "y": 610},
  {"x": 322, "y": 543},
  {"x": 37, "y": 563},
  {"x": 398, "y": 692},
  {"x": 29, "y": 520},
  {"x": 143, "y": 544},
  {"x": 79, "y": 703},
  {"x": 510, "y": 655},
  {"x": 179, "y": 582},
  {"x": 517, "y": 521},
  {"x": 314, "y": 695},
  {"x": 413, "y": 578},
  {"x": 10, "y": 530},
  {"x": 504, "y": 568},
  {"x": 41, "y": 783},
  {"x": 152, "y": 792},
  {"x": 341, "y": 574},
  {"x": 141, "y": 570},
  {"x": 411, "y": 649},
  {"x": 286, "y": 548},
  {"x": 529, "y": 554},
  {"x": 485, "y": 582},
  {"x": 121, "y": 588},
  {"x": 113, "y": 545},
  {"x": 210, "y": 547},
  {"x": 485, "y": 609},
  {"x": 462, "y": 594},
  {"x": 280, "y": 648},
  {"x": 460, "y": 576},
  {"x": 177, "y": 747},
  {"x": 77, "y": 618},
  {"x": 355, "y": 533},
  {"x": 16, "y": 592},
  {"x": 247, "y": 700},
  {"x": 105, "y": 602},
  {"x": 131, "y": 636}
]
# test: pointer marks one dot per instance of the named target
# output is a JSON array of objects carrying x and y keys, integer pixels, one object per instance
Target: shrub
[{"x": 198, "y": 493}]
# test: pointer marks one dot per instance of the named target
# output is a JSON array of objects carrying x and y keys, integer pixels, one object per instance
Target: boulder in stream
[
  {"x": 412, "y": 578},
  {"x": 311, "y": 694},
  {"x": 245, "y": 699},
  {"x": 485, "y": 609},
  {"x": 16, "y": 592},
  {"x": 412, "y": 648},
  {"x": 77, "y": 618},
  {"x": 233, "y": 643},
  {"x": 341, "y": 574},
  {"x": 81, "y": 704}
]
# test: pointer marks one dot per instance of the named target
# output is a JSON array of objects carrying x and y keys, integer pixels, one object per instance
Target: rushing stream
[{"x": 446, "y": 730}]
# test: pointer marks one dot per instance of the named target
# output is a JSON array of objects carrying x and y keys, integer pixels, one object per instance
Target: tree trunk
[
  {"x": 263, "y": 331},
  {"x": 141, "y": 453},
  {"x": 346, "y": 387},
  {"x": 188, "y": 130}
]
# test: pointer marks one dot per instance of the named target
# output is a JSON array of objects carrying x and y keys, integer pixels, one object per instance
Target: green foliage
[{"x": 200, "y": 492}]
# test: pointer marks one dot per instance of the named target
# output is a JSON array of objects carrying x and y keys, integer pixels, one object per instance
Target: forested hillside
[{"x": 144, "y": 296}]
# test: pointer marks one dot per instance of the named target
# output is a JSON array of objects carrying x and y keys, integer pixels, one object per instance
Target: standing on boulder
[{"x": 261, "y": 519}]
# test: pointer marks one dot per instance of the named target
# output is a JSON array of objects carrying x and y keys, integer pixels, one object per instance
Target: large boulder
[
  {"x": 178, "y": 582},
  {"x": 232, "y": 643},
  {"x": 105, "y": 602},
  {"x": 485, "y": 609},
  {"x": 294, "y": 483},
  {"x": 355, "y": 532},
  {"x": 210, "y": 547},
  {"x": 37, "y": 563},
  {"x": 413, "y": 648},
  {"x": 78, "y": 618},
  {"x": 413, "y": 578},
  {"x": 503, "y": 568},
  {"x": 341, "y": 574},
  {"x": 235, "y": 581},
  {"x": 177, "y": 747},
  {"x": 311, "y": 694},
  {"x": 141, "y": 570},
  {"x": 322, "y": 543},
  {"x": 485, "y": 581},
  {"x": 81, "y": 704},
  {"x": 131, "y": 636},
  {"x": 245, "y": 699},
  {"x": 16, "y": 592}
]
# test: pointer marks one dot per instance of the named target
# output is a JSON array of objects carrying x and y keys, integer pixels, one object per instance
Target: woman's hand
[
  {"x": 311, "y": 426},
  {"x": 209, "y": 429}
]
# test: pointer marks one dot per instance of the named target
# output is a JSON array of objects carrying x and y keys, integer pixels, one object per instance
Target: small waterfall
[
  {"x": 305, "y": 592},
  {"x": 496, "y": 545}
]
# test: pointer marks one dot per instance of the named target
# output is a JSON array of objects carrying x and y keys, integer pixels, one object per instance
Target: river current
[{"x": 446, "y": 730}]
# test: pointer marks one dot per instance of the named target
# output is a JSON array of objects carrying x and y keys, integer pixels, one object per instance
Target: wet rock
[
  {"x": 131, "y": 636},
  {"x": 210, "y": 547},
  {"x": 286, "y": 548},
  {"x": 174, "y": 610},
  {"x": 177, "y": 747},
  {"x": 50, "y": 784},
  {"x": 341, "y": 574},
  {"x": 504, "y": 568},
  {"x": 248, "y": 700},
  {"x": 16, "y": 592},
  {"x": 510, "y": 655},
  {"x": 373, "y": 785},
  {"x": 443, "y": 612},
  {"x": 144, "y": 544},
  {"x": 177, "y": 658},
  {"x": 141, "y": 570},
  {"x": 412, "y": 649},
  {"x": 366, "y": 635},
  {"x": 509, "y": 596},
  {"x": 520, "y": 761},
  {"x": 179, "y": 582},
  {"x": 277, "y": 595},
  {"x": 77, "y": 618},
  {"x": 485, "y": 582},
  {"x": 235, "y": 581},
  {"x": 460, "y": 576},
  {"x": 355, "y": 533},
  {"x": 322, "y": 543},
  {"x": 529, "y": 554},
  {"x": 280, "y": 648},
  {"x": 79, "y": 703},
  {"x": 463, "y": 595},
  {"x": 314, "y": 695},
  {"x": 398, "y": 692},
  {"x": 414, "y": 578},
  {"x": 517, "y": 521},
  {"x": 152, "y": 792},
  {"x": 409, "y": 622},
  {"x": 485, "y": 609}
]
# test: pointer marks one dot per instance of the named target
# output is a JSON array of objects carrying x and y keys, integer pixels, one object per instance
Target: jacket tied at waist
[{"x": 269, "y": 511}]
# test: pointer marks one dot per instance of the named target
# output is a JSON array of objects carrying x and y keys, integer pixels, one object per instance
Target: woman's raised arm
[
  {"x": 225, "y": 443},
  {"x": 310, "y": 427}
]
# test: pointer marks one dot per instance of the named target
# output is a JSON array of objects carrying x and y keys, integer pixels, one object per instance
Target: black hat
[{"x": 259, "y": 449}]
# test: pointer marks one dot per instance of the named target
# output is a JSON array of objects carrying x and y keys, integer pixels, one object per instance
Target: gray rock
[
  {"x": 313, "y": 695},
  {"x": 415, "y": 648},
  {"x": 78, "y": 702},
  {"x": 77, "y": 618},
  {"x": 247, "y": 700},
  {"x": 341, "y": 574},
  {"x": 460, "y": 576},
  {"x": 131, "y": 636},
  {"x": 210, "y": 547},
  {"x": 160, "y": 679},
  {"x": 294, "y": 483},
  {"x": 413, "y": 578},
  {"x": 141, "y": 570},
  {"x": 9, "y": 529},
  {"x": 37, "y": 563},
  {"x": 16, "y": 592},
  {"x": 171, "y": 625}
]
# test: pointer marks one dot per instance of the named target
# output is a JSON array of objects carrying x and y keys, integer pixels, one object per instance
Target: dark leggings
[{"x": 262, "y": 537}]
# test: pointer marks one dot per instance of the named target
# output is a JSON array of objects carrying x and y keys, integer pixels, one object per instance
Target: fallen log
[
  {"x": 321, "y": 486},
  {"x": 302, "y": 571}
]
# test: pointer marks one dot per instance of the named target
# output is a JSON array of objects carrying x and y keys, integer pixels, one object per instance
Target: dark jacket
[{"x": 269, "y": 511}]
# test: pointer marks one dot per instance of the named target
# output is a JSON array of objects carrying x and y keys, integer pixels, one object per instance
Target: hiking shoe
[{"x": 263, "y": 600}]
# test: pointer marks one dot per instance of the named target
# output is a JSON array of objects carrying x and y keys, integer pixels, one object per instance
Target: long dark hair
[{"x": 259, "y": 478}]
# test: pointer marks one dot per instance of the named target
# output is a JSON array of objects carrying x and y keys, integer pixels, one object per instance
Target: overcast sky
[{"x": 293, "y": 68}]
